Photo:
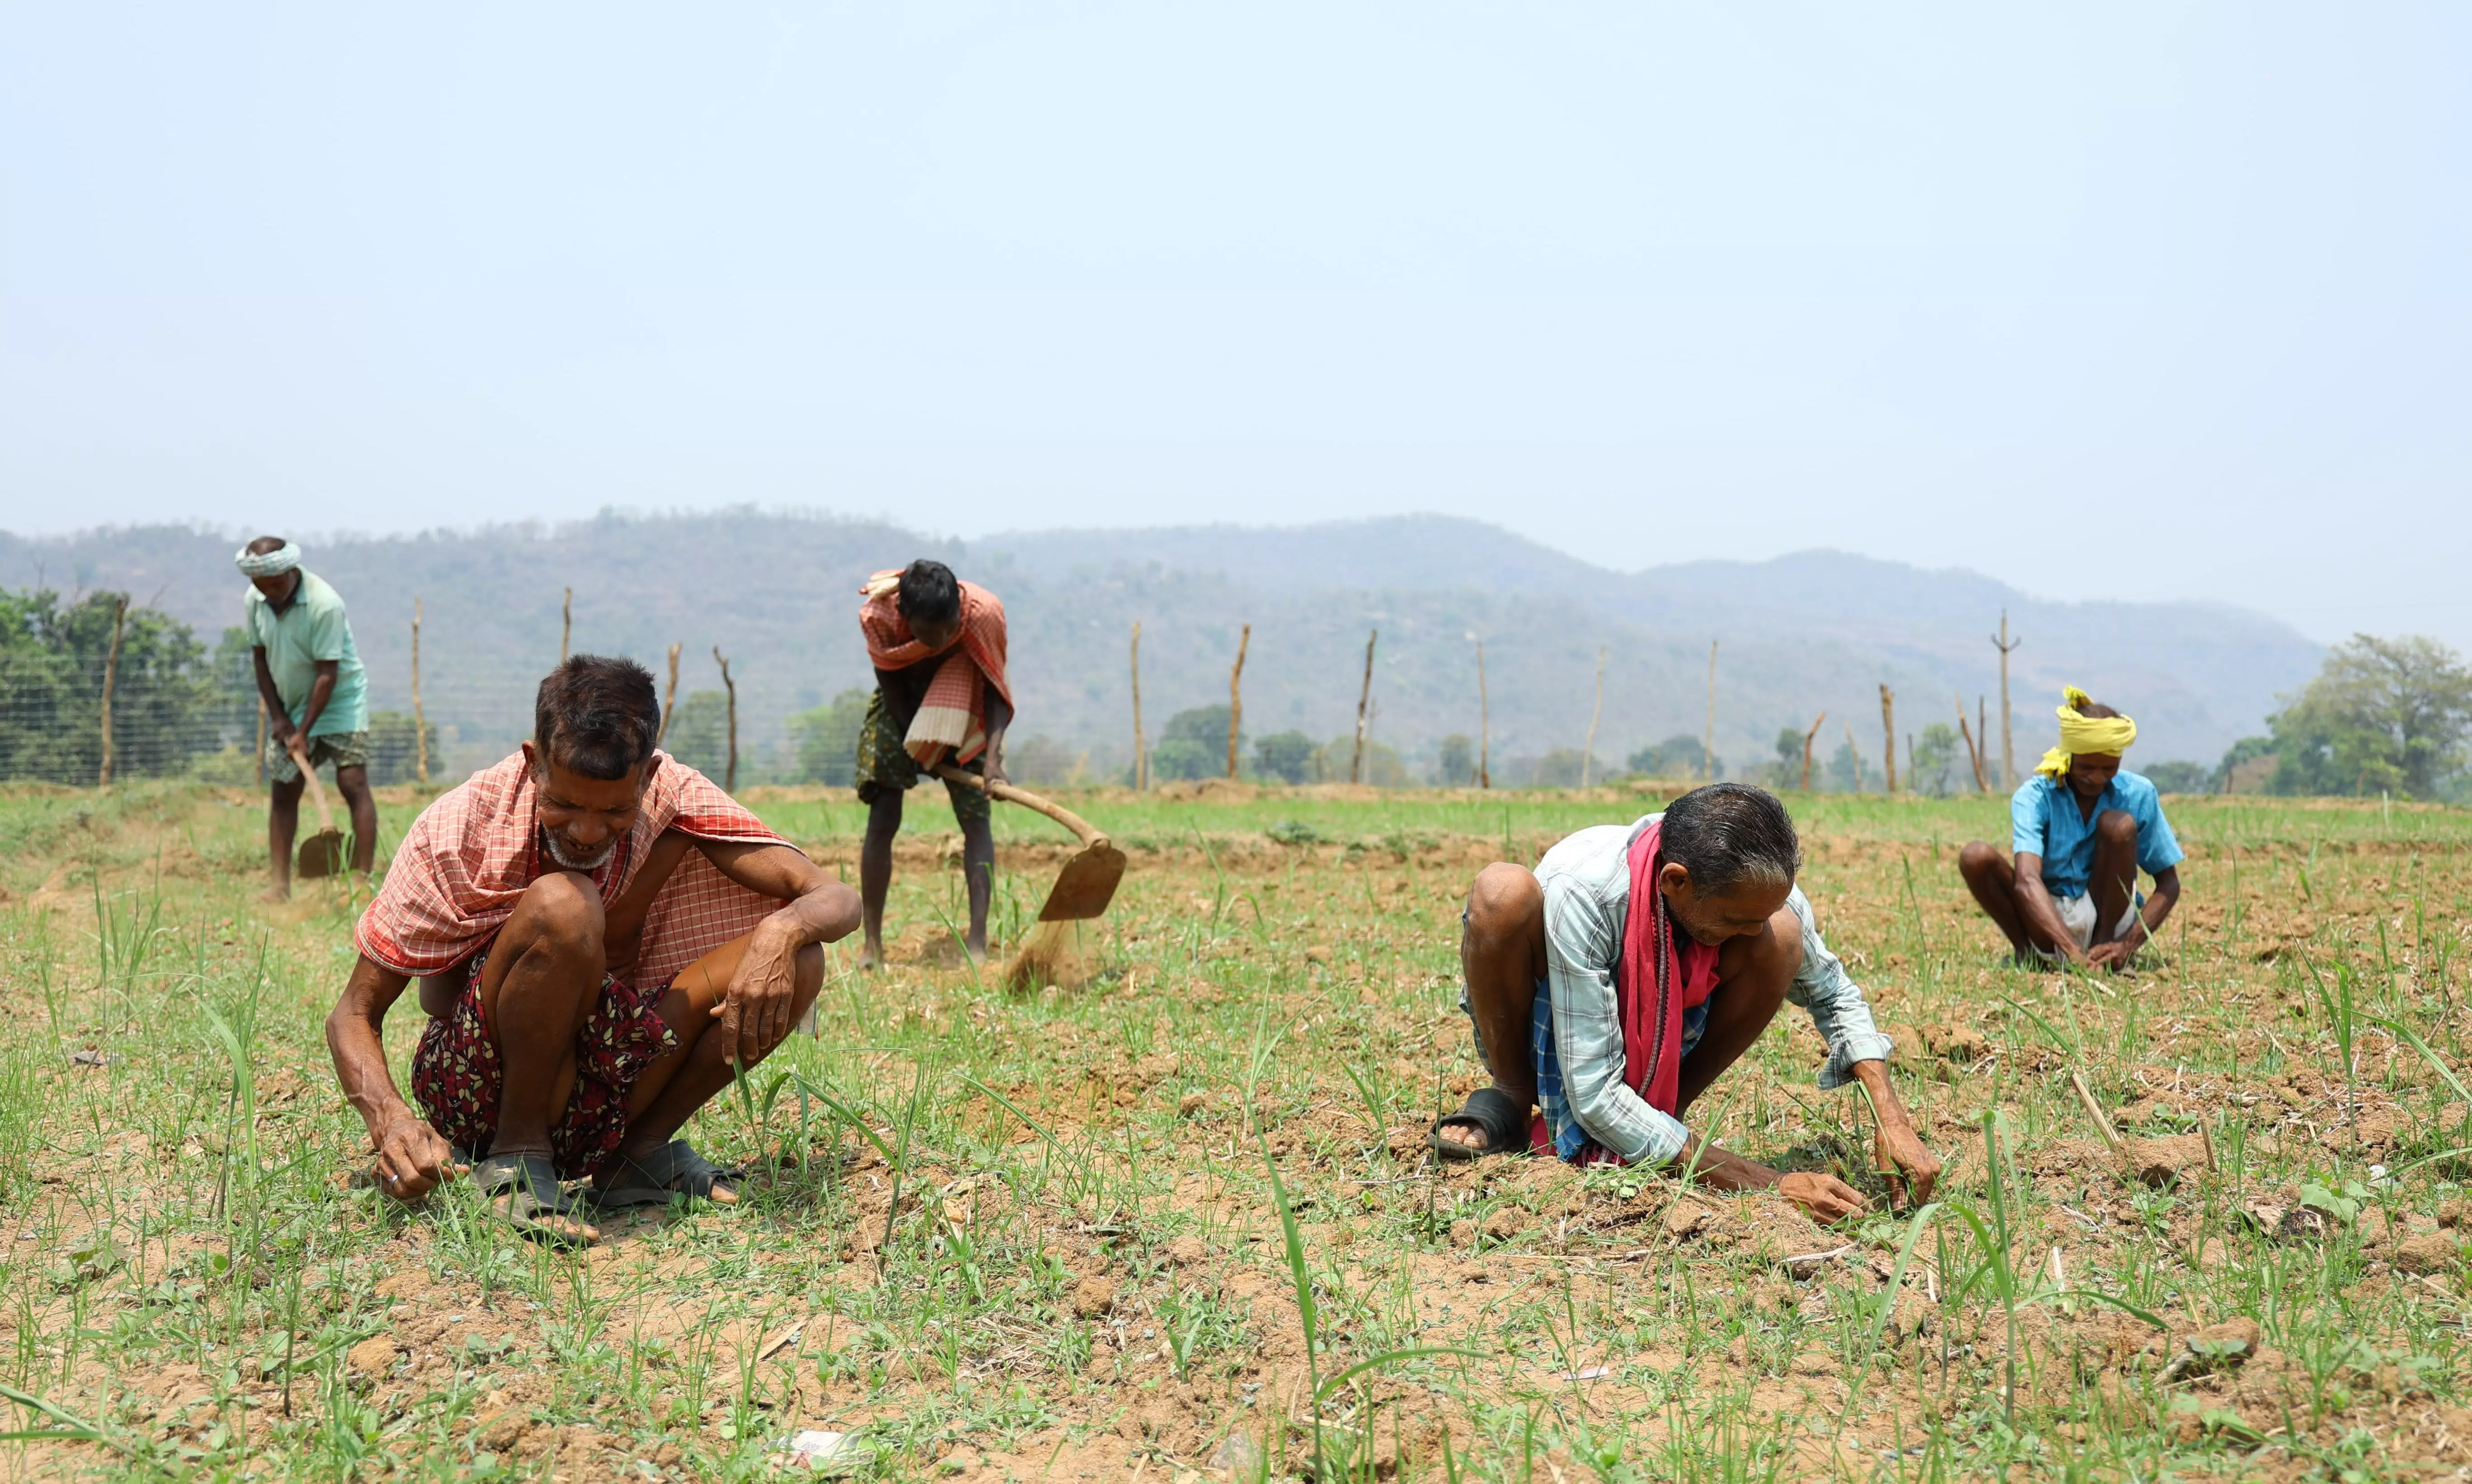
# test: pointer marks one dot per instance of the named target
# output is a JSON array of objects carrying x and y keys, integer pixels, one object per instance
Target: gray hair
[{"x": 1727, "y": 834}]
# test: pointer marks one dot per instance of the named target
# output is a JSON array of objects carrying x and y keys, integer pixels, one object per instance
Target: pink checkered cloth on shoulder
[
  {"x": 465, "y": 862},
  {"x": 954, "y": 712}
]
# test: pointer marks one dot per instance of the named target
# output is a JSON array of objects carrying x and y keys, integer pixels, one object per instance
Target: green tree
[
  {"x": 1194, "y": 744},
  {"x": 1287, "y": 756},
  {"x": 1457, "y": 767},
  {"x": 2382, "y": 715},
  {"x": 1935, "y": 758},
  {"x": 1680, "y": 756},
  {"x": 824, "y": 740},
  {"x": 52, "y": 662},
  {"x": 2249, "y": 766}
]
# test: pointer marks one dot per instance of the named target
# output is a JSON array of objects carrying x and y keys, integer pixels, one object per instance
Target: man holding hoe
[
  {"x": 938, "y": 644},
  {"x": 604, "y": 939},
  {"x": 2081, "y": 828},
  {"x": 316, "y": 694},
  {"x": 1612, "y": 985}
]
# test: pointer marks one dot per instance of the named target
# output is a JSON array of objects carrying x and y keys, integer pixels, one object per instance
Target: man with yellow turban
[{"x": 2081, "y": 828}]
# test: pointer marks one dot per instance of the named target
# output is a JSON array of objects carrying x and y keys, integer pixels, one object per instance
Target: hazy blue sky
[{"x": 2126, "y": 302}]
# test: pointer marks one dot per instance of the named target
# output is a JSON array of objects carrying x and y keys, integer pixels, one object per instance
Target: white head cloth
[{"x": 269, "y": 564}]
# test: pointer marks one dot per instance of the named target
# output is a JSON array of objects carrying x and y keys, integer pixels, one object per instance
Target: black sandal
[
  {"x": 523, "y": 1192},
  {"x": 673, "y": 1170},
  {"x": 1490, "y": 1111}
]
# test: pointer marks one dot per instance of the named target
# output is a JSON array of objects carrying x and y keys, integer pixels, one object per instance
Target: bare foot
[
  {"x": 1463, "y": 1134},
  {"x": 872, "y": 957},
  {"x": 275, "y": 894}
]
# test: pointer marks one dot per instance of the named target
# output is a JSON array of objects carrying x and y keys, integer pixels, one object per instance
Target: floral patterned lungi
[{"x": 455, "y": 1075}]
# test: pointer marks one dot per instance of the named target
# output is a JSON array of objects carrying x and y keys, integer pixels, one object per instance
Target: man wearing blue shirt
[{"x": 2081, "y": 828}]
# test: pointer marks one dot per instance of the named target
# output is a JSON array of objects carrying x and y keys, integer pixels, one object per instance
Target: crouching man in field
[
  {"x": 601, "y": 935},
  {"x": 1612, "y": 985},
  {"x": 2080, "y": 830}
]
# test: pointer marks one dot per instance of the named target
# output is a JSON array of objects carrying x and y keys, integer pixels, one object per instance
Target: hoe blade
[{"x": 1085, "y": 886}]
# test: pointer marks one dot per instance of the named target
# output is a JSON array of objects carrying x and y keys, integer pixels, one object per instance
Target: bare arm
[
  {"x": 814, "y": 908},
  {"x": 2042, "y": 915},
  {"x": 412, "y": 1157},
  {"x": 278, "y": 721},
  {"x": 1823, "y": 1195},
  {"x": 2158, "y": 906},
  {"x": 322, "y": 690}
]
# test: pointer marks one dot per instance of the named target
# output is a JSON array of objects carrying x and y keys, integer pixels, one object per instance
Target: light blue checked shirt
[{"x": 1587, "y": 897}]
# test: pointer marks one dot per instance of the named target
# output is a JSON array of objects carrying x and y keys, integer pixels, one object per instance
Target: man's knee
[
  {"x": 2116, "y": 827},
  {"x": 353, "y": 783},
  {"x": 808, "y": 969},
  {"x": 1776, "y": 955},
  {"x": 562, "y": 911},
  {"x": 1504, "y": 899},
  {"x": 1977, "y": 859}
]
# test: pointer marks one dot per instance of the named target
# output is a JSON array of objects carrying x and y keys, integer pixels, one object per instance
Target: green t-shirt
[{"x": 311, "y": 629}]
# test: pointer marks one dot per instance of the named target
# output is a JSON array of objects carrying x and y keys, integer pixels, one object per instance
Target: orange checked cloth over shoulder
[
  {"x": 954, "y": 712},
  {"x": 465, "y": 862}
]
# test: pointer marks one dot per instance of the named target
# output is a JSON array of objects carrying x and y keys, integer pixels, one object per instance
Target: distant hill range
[{"x": 778, "y": 592}]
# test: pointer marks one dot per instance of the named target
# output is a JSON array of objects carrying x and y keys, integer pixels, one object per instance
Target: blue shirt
[{"x": 2045, "y": 820}]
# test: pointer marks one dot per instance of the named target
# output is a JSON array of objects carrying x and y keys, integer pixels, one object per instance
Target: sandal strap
[
  {"x": 677, "y": 1167},
  {"x": 1491, "y": 1112},
  {"x": 532, "y": 1176}
]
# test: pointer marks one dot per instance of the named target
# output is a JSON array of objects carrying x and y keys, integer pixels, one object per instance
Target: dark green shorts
[{"x": 886, "y": 767}]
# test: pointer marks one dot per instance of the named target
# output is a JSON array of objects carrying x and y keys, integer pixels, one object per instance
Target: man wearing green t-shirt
[{"x": 315, "y": 695}]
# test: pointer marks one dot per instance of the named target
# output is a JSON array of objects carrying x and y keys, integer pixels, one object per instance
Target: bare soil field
[{"x": 1180, "y": 1222}]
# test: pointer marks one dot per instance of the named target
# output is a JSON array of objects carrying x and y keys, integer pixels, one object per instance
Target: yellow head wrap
[{"x": 2081, "y": 732}]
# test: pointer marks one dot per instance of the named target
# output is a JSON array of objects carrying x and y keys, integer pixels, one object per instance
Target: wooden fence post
[
  {"x": 1973, "y": 754},
  {"x": 1483, "y": 725},
  {"x": 1236, "y": 698},
  {"x": 565, "y": 623},
  {"x": 419, "y": 727},
  {"x": 669, "y": 702},
  {"x": 731, "y": 784},
  {"x": 111, "y": 675},
  {"x": 1588, "y": 753},
  {"x": 1363, "y": 698},
  {"x": 1141, "y": 753},
  {"x": 1806, "y": 749},
  {"x": 2007, "y": 748},
  {"x": 1708, "y": 744},
  {"x": 1889, "y": 729}
]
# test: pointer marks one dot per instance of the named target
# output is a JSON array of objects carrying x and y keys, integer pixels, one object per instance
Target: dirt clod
[
  {"x": 2160, "y": 1163},
  {"x": 2432, "y": 1251},
  {"x": 1093, "y": 1297},
  {"x": 373, "y": 1356}
]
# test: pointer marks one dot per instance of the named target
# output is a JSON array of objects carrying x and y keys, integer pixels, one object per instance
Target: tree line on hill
[{"x": 2383, "y": 715}]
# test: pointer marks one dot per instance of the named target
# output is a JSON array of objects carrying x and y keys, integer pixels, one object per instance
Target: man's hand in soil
[
  {"x": 412, "y": 1160},
  {"x": 2113, "y": 955},
  {"x": 1825, "y": 1197},
  {"x": 1911, "y": 1167},
  {"x": 764, "y": 993}
]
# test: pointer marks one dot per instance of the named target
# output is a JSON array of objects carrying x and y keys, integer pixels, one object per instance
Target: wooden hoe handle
[
  {"x": 317, "y": 790},
  {"x": 1088, "y": 833}
]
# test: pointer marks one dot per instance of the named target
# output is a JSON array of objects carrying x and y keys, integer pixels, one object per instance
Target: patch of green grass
[{"x": 1013, "y": 1234}]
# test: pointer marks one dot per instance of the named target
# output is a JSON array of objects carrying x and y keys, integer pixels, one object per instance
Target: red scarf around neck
[{"x": 1663, "y": 972}]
